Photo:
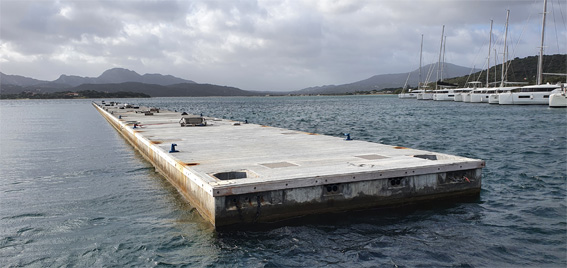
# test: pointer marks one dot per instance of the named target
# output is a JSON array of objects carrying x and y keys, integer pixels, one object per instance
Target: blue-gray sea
[{"x": 74, "y": 193}]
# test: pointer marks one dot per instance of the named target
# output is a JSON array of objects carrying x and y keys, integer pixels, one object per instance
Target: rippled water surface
[{"x": 74, "y": 193}]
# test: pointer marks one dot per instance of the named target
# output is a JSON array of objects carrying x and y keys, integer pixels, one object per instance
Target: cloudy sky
[{"x": 264, "y": 44}]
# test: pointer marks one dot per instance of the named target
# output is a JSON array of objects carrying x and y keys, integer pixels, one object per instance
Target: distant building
[{"x": 72, "y": 94}]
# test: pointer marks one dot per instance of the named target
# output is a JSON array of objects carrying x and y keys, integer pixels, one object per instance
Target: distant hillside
[
  {"x": 39, "y": 88},
  {"x": 178, "y": 90},
  {"x": 18, "y": 80},
  {"x": 73, "y": 80},
  {"x": 521, "y": 70},
  {"x": 384, "y": 81},
  {"x": 120, "y": 75},
  {"x": 72, "y": 95},
  {"x": 118, "y": 80},
  {"x": 111, "y": 76}
]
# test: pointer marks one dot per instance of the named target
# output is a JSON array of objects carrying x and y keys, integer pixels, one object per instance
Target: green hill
[
  {"x": 521, "y": 70},
  {"x": 183, "y": 90}
]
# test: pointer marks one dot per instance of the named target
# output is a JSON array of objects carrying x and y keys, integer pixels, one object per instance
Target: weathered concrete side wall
[
  {"x": 380, "y": 192},
  {"x": 174, "y": 171}
]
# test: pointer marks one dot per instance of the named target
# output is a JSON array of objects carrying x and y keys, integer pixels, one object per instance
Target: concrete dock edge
[{"x": 269, "y": 191}]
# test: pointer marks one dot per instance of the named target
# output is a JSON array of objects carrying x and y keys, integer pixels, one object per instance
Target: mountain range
[
  {"x": 383, "y": 81},
  {"x": 158, "y": 85},
  {"x": 117, "y": 80},
  {"x": 111, "y": 76}
]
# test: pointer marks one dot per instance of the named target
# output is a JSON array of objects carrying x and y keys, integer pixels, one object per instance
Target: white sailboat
[
  {"x": 494, "y": 98},
  {"x": 422, "y": 93},
  {"x": 467, "y": 97},
  {"x": 460, "y": 93},
  {"x": 482, "y": 95},
  {"x": 425, "y": 94},
  {"x": 463, "y": 94},
  {"x": 559, "y": 99},
  {"x": 471, "y": 94},
  {"x": 444, "y": 95},
  {"x": 407, "y": 94},
  {"x": 537, "y": 94}
]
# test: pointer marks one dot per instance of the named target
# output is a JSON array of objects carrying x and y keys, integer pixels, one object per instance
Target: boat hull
[
  {"x": 459, "y": 97},
  {"x": 558, "y": 100},
  {"x": 478, "y": 98},
  {"x": 407, "y": 96},
  {"x": 444, "y": 97},
  {"x": 425, "y": 96},
  {"x": 493, "y": 98},
  {"x": 524, "y": 98}
]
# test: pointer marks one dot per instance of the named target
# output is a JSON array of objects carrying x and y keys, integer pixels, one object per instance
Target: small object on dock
[
  {"x": 192, "y": 121},
  {"x": 172, "y": 150}
]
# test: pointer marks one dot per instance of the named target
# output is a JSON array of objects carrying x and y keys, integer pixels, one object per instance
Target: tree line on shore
[{"x": 85, "y": 94}]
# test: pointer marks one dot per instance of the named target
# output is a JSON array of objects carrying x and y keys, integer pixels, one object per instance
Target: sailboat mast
[
  {"x": 540, "y": 60},
  {"x": 440, "y": 52},
  {"x": 420, "y": 58},
  {"x": 443, "y": 61},
  {"x": 505, "y": 49},
  {"x": 495, "y": 65},
  {"x": 488, "y": 58}
]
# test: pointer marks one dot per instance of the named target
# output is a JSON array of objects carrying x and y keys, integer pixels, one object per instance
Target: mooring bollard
[{"x": 172, "y": 150}]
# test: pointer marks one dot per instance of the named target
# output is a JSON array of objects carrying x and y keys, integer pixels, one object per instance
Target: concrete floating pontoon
[{"x": 234, "y": 172}]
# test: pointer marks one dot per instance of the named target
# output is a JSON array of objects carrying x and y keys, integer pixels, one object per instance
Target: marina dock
[{"x": 238, "y": 173}]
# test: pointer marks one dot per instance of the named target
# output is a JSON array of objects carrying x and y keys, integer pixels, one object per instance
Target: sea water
[{"x": 74, "y": 193}]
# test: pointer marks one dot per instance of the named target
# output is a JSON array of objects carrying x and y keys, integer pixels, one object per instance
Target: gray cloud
[{"x": 263, "y": 44}]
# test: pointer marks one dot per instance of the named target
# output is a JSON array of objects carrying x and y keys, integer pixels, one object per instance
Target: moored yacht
[
  {"x": 493, "y": 98},
  {"x": 425, "y": 95},
  {"x": 466, "y": 95},
  {"x": 444, "y": 95},
  {"x": 460, "y": 92},
  {"x": 537, "y": 94},
  {"x": 559, "y": 99},
  {"x": 482, "y": 95},
  {"x": 408, "y": 95},
  {"x": 422, "y": 92},
  {"x": 476, "y": 95}
]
